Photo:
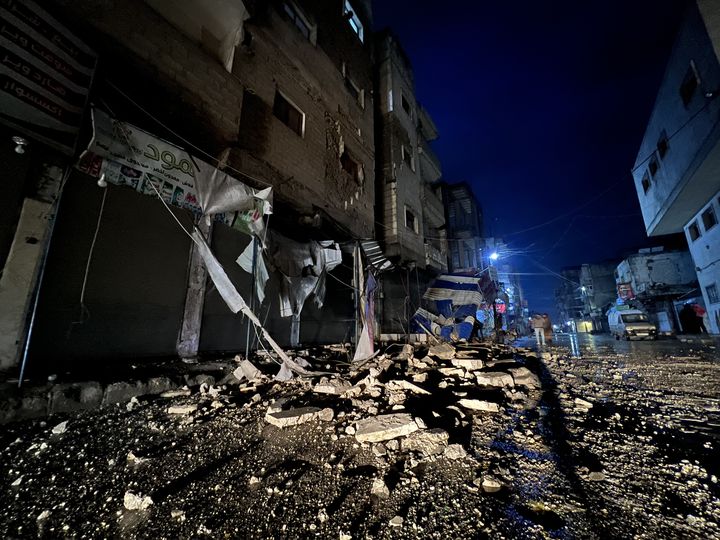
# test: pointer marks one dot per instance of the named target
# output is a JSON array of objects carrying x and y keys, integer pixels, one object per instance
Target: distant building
[
  {"x": 656, "y": 279},
  {"x": 598, "y": 292},
  {"x": 465, "y": 228},
  {"x": 570, "y": 303},
  {"x": 675, "y": 173},
  {"x": 409, "y": 207}
]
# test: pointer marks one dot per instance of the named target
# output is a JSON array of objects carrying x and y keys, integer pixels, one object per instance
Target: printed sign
[
  {"x": 45, "y": 74},
  {"x": 625, "y": 291}
]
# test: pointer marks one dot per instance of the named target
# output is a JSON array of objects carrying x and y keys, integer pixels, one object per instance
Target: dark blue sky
[{"x": 541, "y": 107}]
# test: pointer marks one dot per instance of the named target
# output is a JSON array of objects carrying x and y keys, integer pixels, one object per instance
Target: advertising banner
[
  {"x": 625, "y": 291},
  {"x": 45, "y": 74}
]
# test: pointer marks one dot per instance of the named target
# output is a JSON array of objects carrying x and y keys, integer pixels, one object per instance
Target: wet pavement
[{"x": 620, "y": 441}]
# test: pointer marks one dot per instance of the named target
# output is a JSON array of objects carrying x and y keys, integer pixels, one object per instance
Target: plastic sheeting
[
  {"x": 245, "y": 261},
  {"x": 220, "y": 279}
]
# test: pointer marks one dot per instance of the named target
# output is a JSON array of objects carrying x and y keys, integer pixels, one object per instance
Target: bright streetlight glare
[{"x": 494, "y": 255}]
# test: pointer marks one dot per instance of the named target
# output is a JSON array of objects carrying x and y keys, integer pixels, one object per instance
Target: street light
[{"x": 494, "y": 256}]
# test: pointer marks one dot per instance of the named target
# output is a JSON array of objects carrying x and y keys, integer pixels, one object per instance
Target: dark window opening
[
  {"x": 405, "y": 105},
  {"x": 352, "y": 88},
  {"x": 712, "y": 294},
  {"x": 298, "y": 20},
  {"x": 663, "y": 145},
  {"x": 694, "y": 231},
  {"x": 709, "y": 219},
  {"x": 350, "y": 166},
  {"x": 410, "y": 221},
  {"x": 689, "y": 85},
  {"x": 653, "y": 166},
  {"x": 288, "y": 114},
  {"x": 407, "y": 157},
  {"x": 646, "y": 183}
]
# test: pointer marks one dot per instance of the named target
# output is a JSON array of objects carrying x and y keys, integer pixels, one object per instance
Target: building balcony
[
  {"x": 435, "y": 258},
  {"x": 429, "y": 163}
]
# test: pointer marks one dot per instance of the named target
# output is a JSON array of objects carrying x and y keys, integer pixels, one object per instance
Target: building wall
[
  {"x": 705, "y": 251},
  {"x": 687, "y": 174},
  {"x": 648, "y": 271}
]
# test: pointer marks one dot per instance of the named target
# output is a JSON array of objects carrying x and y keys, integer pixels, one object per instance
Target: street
[{"x": 619, "y": 442}]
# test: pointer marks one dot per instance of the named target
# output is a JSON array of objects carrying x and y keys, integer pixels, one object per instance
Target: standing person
[
  {"x": 547, "y": 327},
  {"x": 538, "y": 328},
  {"x": 700, "y": 314}
]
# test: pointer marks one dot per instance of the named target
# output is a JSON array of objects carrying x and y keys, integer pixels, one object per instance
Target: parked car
[{"x": 631, "y": 324}]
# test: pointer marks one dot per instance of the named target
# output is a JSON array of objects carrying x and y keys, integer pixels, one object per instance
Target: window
[
  {"x": 410, "y": 221},
  {"x": 455, "y": 259},
  {"x": 646, "y": 182},
  {"x": 301, "y": 22},
  {"x": 709, "y": 219},
  {"x": 663, "y": 145},
  {"x": 354, "y": 20},
  {"x": 352, "y": 88},
  {"x": 694, "y": 231},
  {"x": 712, "y": 294},
  {"x": 288, "y": 114},
  {"x": 689, "y": 84},
  {"x": 469, "y": 259},
  {"x": 653, "y": 166},
  {"x": 405, "y": 105},
  {"x": 350, "y": 166},
  {"x": 408, "y": 157}
]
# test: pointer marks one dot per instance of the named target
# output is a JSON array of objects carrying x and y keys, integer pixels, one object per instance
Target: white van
[{"x": 631, "y": 324}]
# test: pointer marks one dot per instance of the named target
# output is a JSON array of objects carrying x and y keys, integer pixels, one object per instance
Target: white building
[{"x": 677, "y": 170}]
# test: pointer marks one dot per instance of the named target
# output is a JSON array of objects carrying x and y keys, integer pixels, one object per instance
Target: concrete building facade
[
  {"x": 677, "y": 170},
  {"x": 465, "y": 228},
  {"x": 598, "y": 292}
]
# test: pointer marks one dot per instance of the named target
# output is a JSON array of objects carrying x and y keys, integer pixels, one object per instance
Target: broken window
[
  {"x": 350, "y": 166},
  {"x": 646, "y": 182},
  {"x": 689, "y": 84},
  {"x": 694, "y": 231},
  {"x": 408, "y": 157},
  {"x": 357, "y": 26},
  {"x": 653, "y": 166},
  {"x": 353, "y": 88},
  {"x": 709, "y": 219},
  {"x": 288, "y": 114},
  {"x": 405, "y": 105},
  {"x": 410, "y": 221},
  {"x": 663, "y": 145},
  {"x": 712, "y": 294}
]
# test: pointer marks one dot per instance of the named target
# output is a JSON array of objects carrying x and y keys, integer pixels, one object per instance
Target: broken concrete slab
[
  {"x": 131, "y": 501},
  {"x": 524, "y": 377},
  {"x": 332, "y": 386},
  {"x": 301, "y": 415},
  {"x": 490, "y": 484},
  {"x": 379, "y": 489},
  {"x": 385, "y": 427},
  {"x": 452, "y": 372},
  {"x": 443, "y": 351},
  {"x": 470, "y": 364},
  {"x": 246, "y": 370},
  {"x": 182, "y": 409},
  {"x": 176, "y": 393},
  {"x": 406, "y": 385},
  {"x": 428, "y": 442},
  {"x": 455, "y": 451},
  {"x": 479, "y": 405},
  {"x": 497, "y": 379}
]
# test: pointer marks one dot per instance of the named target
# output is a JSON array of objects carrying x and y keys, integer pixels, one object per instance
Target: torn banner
[{"x": 454, "y": 300}]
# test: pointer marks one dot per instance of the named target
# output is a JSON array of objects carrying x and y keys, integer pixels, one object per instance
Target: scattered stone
[
  {"x": 406, "y": 385},
  {"x": 130, "y": 405},
  {"x": 497, "y": 379},
  {"x": 254, "y": 480},
  {"x": 334, "y": 386},
  {"x": 443, "y": 351},
  {"x": 379, "y": 489},
  {"x": 469, "y": 364},
  {"x": 479, "y": 405},
  {"x": 301, "y": 415},
  {"x": 393, "y": 445},
  {"x": 583, "y": 404},
  {"x": 524, "y": 377},
  {"x": 385, "y": 427},
  {"x": 379, "y": 450},
  {"x": 246, "y": 370},
  {"x": 455, "y": 451},
  {"x": 60, "y": 428},
  {"x": 277, "y": 405},
  {"x": 178, "y": 514},
  {"x": 596, "y": 476},
  {"x": 182, "y": 409},
  {"x": 131, "y": 501},
  {"x": 43, "y": 515},
  {"x": 490, "y": 484},
  {"x": 397, "y": 522},
  {"x": 428, "y": 442},
  {"x": 176, "y": 393},
  {"x": 17, "y": 481},
  {"x": 322, "y": 515},
  {"x": 132, "y": 459},
  {"x": 350, "y": 430}
]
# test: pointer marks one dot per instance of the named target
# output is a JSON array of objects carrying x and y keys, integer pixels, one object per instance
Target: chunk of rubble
[
  {"x": 452, "y": 372},
  {"x": 301, "y": 415},
  {"x": 428, "y": 442},
  {"x": 332, "y": 386},
  {"x": 497, "y": 379},
  {"x": 182, "y": 409},
  {"x": 406, "y": 385},
  {"x": 379, "y": 489},
  {"x": 469, "y": 364},
  {"x": 180, "y": 392},
  {"x": 246, "y": 370},
  {"x": 131, "y": 501},
  {"x": 60, "y": 428},
  {"x": 479, "y": 405},
  {"x": 583, "y": 404},
  {"x": 490, "y": 484},
  {"x": 522, "y": 376},
  {"x": 385, "y": 427},
  {"x": 407, "y": 352},
  {"x": 455, "y": 451},
  {"x": 443, "y": 351}
]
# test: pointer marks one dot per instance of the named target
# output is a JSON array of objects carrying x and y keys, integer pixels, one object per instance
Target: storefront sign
[
  {"x": 625, "y": 291},
  {"x": 45, "y": 74}
]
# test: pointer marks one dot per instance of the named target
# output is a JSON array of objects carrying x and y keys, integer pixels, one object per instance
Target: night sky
[{"x": 541, "y": 107}]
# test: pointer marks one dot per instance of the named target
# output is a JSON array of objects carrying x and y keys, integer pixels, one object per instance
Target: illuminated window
[
  {"x": 289, "y": 114},
  {"x": 709, "y": 219},
  {"x": 694, "y": 231},
  {"x": 663, "y": 145},
  {"x": 646, "y": 183},
  {"x": 354, "y": 20},
  {"x": 712, "y": 294},
  {"x": 689, "y": 84},
  {"x": 410, "y": 220}
]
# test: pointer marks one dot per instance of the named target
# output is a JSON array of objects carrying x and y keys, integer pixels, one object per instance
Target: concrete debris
[
  {"x": 428, "y": 442},
  {"x": 132, "y": 459},
  {"x": 455, "y": 452},
  {"x": 130, "y": 405},
  {"x": 443, "y": 351},
  {"x": 497, "y": 379},
  {"x": 178, "y": 514},
  {"x": 246, "y": 370},
  {"x": 469, "y": 364},
  {"x": 17, "y": 481},
  {"x": 522, "y": 376},
  {"x": 583, "y": 404},
  {"x": 60, "y": 428},
  {"x": 176, "y": 393},
  {"x": 43, "y": 515},
  {"x": 397, "y": 522},
  {"x": 490, "y": 484},
  {"x": 479, "y": 405},
  {"x": 385, "y": 427},
  {"x": 332, "y": 386},
  {"x": 406, "y": 385},
  {"x": 301, "y": 415},
  {"x": 182, "y": 409},
  {"x": 131, "y": 501},
  {"x": 379, "y": 489}
]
